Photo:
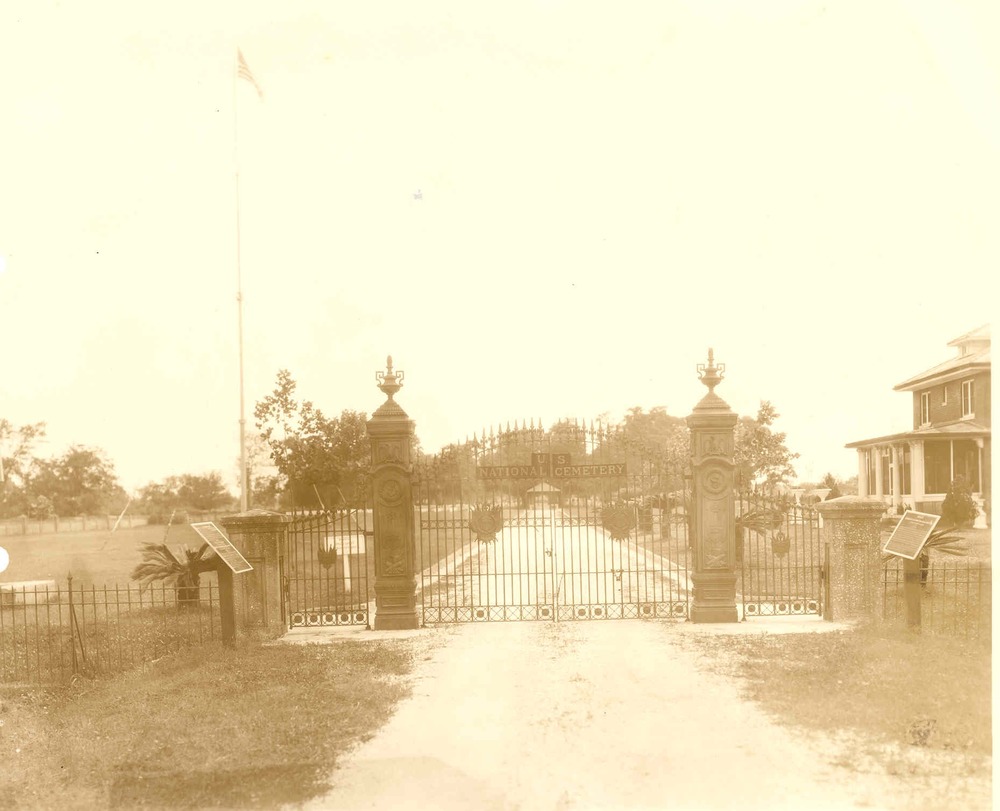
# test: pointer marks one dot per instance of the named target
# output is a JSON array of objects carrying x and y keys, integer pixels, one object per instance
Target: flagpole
[{"x": 244, "y": 500}]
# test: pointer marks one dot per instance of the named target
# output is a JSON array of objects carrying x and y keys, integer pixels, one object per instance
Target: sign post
[
  {"x": 907, "y": 542},
  {"x": 231, "y": 562}
]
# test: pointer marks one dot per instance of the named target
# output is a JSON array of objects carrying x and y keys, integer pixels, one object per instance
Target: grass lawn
[
  {"x": 257, "y": 726},
  {"x": 877, "y": 685},
  {"x": 97, "y": 557}
]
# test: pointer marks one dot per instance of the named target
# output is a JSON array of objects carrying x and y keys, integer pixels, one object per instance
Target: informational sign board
[
  {"x": 223, "y": 547},
  {"x": 911, "y": 533}
]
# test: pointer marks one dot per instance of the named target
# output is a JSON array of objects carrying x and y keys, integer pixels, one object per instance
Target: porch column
[
  {"x": 852, "y": 529},
  {"x": 390, "y": 431},
  {"x": 897, "y": 498},
  {"x": 984, "y": 493},
  {"x": 862, "y": 471},
  {"x": 879, "y": 486},
  {"x": 917, "y": 471},
  {"x": 714, "y": 512}
]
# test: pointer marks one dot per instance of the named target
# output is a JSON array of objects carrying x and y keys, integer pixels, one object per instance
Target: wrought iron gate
[
  {"x": 781, "y": 554},
  {"x": 326, "y": 573},
  {"x": 571, "y": 524}
]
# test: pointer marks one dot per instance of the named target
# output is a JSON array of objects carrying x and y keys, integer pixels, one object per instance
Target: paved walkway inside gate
[{"x": 588, "y": 715}]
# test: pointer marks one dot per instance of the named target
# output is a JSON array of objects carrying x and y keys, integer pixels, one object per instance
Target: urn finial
[
  {"x": 711, "y": 373},
  {"x": 389, "y": 381}
]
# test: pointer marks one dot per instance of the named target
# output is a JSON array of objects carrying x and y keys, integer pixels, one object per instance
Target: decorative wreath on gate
[
  {"x": 618, "y": 520},
  {"x": 485, "y": 521},
  {"x": 780, "y": 543}
]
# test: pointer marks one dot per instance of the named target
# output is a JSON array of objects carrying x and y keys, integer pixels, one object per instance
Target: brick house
[{"x": 950, "y": 435}]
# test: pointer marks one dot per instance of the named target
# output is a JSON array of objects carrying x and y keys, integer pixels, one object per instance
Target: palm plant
[
  {"x": 944, "y": 540},
  {"x": 159, "y": 563},
  {"x": 761, "y": 519}
]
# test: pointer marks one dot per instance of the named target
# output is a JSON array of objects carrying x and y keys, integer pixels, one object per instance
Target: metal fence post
[
  {"x": 72, "y": 625},
  {"x": 390, "y": 431},
  {"x": 911, "y": 592}
]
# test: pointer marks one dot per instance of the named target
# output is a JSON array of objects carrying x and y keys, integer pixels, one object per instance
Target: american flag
[{"x": 243, "y": 72}]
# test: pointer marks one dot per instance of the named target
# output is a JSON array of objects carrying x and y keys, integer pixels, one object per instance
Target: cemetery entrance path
[{"x": 585, "y": 715}]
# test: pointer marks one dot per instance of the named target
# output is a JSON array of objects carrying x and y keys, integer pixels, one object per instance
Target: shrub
[{"x": 958, "y": 508}]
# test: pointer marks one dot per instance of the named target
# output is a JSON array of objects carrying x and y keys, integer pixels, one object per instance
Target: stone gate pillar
[
  {"x": 260, "y": 537},
  {"x": 390, "y": 431},
  {"x": 852, "y": 529},
  {"x": 713, "y": 513}
]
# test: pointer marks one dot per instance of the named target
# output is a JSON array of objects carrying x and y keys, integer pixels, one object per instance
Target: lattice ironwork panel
[{"x": 306, "y": 619}]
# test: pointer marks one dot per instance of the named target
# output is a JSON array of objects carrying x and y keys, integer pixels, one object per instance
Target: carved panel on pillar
[
  {"x": 392, "y": 526},
  {"x": 716, "y": 445}
]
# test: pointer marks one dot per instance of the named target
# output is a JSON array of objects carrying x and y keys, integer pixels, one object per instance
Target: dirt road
[{"x": 591, "y": 715}]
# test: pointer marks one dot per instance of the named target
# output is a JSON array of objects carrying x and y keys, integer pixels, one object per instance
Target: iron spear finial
[{"x": 711, "y": 373}]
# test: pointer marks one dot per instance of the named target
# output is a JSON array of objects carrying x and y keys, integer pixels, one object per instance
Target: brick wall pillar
[
  {"x": 260, "y": 537},
  {"x": 852, "y": 534},
  {"x": 713, "y": 519},
  {"x": 390, "y": 431}
]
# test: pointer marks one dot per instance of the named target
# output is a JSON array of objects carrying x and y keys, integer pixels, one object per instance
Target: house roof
[
  {"x": 978, "y": 334},
  {"x": 963, "y": 364},
  {"x": 543, "y": 487},
  {"x": 959, "y": 429}
]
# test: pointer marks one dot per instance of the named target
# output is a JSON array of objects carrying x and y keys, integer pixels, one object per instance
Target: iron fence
[
  {"x": 328, "y": 576},
  {"x": 574, "y": 523},
  {"x": 955, "y": 596},
  {"x": 51, "y": 633},
  {"x": 779, "y": 547}
]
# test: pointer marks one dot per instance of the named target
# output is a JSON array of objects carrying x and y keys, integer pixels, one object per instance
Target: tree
[
  {"x": 760, "y": 453},
  {"x": 160, "y": 563},
  {"x": 204, "y": 493},
  {"x": 80, "y": 482},
  {"x": 830, "y": 481},
  {"x": 188, "y": 492},
  {"x": 263, "y": 478},
  {"x": 656, "y": 435},
  {"x": 320, "y": 459},
  {"x": 17, "y": 444}
]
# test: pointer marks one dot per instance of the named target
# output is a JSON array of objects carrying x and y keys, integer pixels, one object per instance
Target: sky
[{"x": 542, "y": 209}]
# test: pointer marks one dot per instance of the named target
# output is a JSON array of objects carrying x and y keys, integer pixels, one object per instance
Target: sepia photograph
[{"x": 537, "y": 406}]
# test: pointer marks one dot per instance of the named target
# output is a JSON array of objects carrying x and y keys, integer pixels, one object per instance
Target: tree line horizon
[{"x": 302, "y": 458}]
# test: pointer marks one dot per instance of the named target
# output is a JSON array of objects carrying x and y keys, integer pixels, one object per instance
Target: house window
[
  {"x": 937, "y": 466},
  {"x": 925, "y": 408},
  {"x": 966, "y": 456},
  {"x": 968, "y": 403}
]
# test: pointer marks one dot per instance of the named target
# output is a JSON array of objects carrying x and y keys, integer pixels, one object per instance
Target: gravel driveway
[{"x": 590, "y": 715}]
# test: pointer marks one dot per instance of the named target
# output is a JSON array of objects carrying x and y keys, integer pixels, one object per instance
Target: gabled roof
[
  {"x": 978, "y": 334},
  {"x": 974, "y": 356},
  {"x": 959, "y": 429}
]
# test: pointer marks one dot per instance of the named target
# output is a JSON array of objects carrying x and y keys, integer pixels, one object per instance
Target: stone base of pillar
[
  {"x": 714, "y": 597},
  {"x": 396, "y": 605}
]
